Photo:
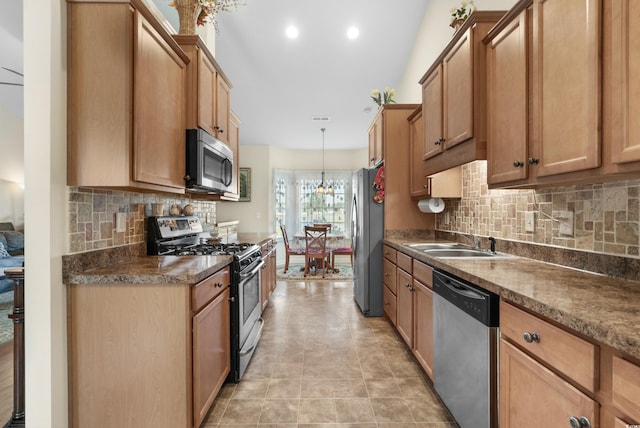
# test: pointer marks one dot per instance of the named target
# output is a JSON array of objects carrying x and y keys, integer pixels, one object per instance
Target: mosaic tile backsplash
[
  {"x": 92, "y": 216},
  {"x": 606, "y": 217}
]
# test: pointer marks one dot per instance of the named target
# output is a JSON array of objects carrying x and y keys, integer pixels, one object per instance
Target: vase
[
  {"x": 188, "y": 11},
  {"x": 456, "y": 24}
]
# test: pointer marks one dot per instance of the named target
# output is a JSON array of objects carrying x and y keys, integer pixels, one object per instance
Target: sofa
[{"x": 13, "y": 243}]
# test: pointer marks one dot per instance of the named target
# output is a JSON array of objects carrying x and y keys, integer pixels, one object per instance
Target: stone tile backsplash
[
  {"x": 606, "y": 216},
  {"x": 92, "y": 216}
]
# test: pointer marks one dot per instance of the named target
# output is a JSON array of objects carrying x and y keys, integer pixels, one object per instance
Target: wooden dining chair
[
  {"x": 316, "y": 248},
  {"x": 342, "y": 251},
  {"x": 289, "y": 250},
  {"x": 327, "y": 225}
]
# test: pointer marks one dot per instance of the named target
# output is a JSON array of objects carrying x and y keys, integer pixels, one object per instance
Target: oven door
[{"x": 249, "y": 321}]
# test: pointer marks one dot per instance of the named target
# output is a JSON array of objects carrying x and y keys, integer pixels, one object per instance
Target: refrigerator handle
[{"x": 355, "y": 229}]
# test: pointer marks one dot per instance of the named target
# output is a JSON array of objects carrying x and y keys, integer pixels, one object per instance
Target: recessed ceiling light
[
  {"x": 292, "y": 32},
  {"x": 353, "y": 33}
]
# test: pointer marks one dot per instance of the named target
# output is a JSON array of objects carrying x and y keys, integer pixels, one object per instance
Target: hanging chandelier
[{"x": 320, "y": 189}]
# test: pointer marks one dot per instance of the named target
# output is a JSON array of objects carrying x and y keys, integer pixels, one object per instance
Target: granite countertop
[
  {"x": 152, "y": 270},
  {"x": 603, "y": 308},
  {"x": 133, "y": 267}
]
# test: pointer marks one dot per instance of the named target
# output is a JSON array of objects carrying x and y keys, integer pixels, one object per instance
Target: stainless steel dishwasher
[{"x": 465, "y": 344}]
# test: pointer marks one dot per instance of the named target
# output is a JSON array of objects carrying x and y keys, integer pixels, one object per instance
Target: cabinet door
[
  {"x": 417, "y": 180},
  {"x": 206, "y": 93},
  {"x": 234, "y": 144},
  {"x": 458, "y": 92},
  {"x": 404, "y": 315},
  {"x": 432, "y": 113},
  {"x": 624, "y": 84},
  {"x": 507, "y": 104},
  {"x": 389, "y": 274},
  {"x": 531, "y": 396},
  {"x": 211, "y": 354},
  {"x": 372, "y": 144},
  {"x": 389, "y": 303},
  {"x": 222, "y": 109},
  {"x": 274, "y": 261},
  {"x": 566, "y": 70},
  {"x": 423, "y": 326},
  {"x": 159, "y": 109},
  {"x": 379, "y": 141}
]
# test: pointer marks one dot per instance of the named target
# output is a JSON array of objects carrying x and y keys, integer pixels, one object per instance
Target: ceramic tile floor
[{"x": 320, "y": 362}]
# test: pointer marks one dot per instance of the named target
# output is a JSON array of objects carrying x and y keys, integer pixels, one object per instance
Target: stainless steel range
[{"x": 184, "y": 236}]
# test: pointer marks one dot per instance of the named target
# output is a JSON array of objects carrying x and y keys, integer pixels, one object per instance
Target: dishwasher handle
[{"x": 462, "y": 289}]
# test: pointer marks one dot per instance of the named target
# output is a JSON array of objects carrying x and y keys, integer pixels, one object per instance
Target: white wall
[
  {"x": 45, "y": 213},
  {"x": 259, "y": 214},
  {"x": 433, "y": 36},
  {"x": 11, "y": 147}
]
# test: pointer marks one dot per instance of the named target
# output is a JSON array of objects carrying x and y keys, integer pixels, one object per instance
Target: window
[{"x": 298, "y": 205}]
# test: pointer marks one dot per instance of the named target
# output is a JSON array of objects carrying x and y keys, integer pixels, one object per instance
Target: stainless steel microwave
[{"x": 209, "y": 163}]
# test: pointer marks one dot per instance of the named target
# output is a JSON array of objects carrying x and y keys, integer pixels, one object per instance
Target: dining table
[{"x": 334, "y": 240}]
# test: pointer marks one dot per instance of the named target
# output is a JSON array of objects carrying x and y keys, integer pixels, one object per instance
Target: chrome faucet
[{"x": 475, "y": 241}]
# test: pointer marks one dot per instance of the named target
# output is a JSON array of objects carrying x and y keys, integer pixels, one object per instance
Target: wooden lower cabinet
[
  {"x": 532, "y": 396},
  {"x": 404, "y": 316},
  {"x": 423, "y": 326},
  {"x": 147, "y": 355},
  {"x": 389, "y": 303},
  {"x": 268, "y": 273},
  {"x": 211, "y": 354}
]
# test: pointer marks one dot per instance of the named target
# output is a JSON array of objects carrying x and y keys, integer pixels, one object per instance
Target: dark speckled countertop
[
  {"x": 130, "y": 265},
  {"x": 152, "y": 270},
  {"x": 603, "y": 308}
]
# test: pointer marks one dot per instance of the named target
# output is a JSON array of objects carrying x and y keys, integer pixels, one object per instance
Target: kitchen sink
[
  {"x": 464, "y": 253},
  {"x": 438, "y": 246}
]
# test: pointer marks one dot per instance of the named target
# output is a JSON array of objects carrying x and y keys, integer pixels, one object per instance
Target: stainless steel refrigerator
[{"x": 367, "y": 231}]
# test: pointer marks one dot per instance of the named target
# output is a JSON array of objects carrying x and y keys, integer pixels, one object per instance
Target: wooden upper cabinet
[
  {"x": 234, "y": 143},
  {"x": 205, "y": 95},
  {"x": 454, "y": 98},
  {"x": 621, "y": 85},
  {"x": 221, "y": 127},
  {"x": 126, "y": 91},
  {"x": 507, "y": 103},
  {"x": 418, "y": 185},
  {"x": 432, "y": 113},
  {"x": 566, "y": 71},
  {"x": 208, "y": 89},
  {"x": 458, "y": 91},
  {"x": 376, "y": 147},
  {"x": 159, "y": 115}
]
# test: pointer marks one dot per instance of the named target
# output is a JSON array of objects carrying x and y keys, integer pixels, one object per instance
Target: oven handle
[
  {"x": 255, "y": 270},
  {"x": 250, "y": 350}
]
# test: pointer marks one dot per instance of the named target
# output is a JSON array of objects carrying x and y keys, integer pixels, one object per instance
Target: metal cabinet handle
[
  {"x": 531, "y": 337},
  {"x": 424, "y": 186},
  {"x": 218, "y": 284},
  {"x": 386, "y": 274},
  {"x": 442, "y": 140},
  {"x": 518, "y": 164},
  {"x": 437, "y": 142},
  {"x": 533, "y": 161},
  {"x": 583, "y": 422}
]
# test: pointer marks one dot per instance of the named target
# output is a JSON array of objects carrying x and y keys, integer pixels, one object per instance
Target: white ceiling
[
  {"x": 11, "y": 56},
  {"x": 278, "y": 83}
]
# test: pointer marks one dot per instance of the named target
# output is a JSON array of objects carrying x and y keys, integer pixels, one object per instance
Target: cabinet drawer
[
  {"x": 389, "y": 301},
  {"x": 389, "y": 253},
  {"x": 572, "y": 356},
  {"x": 404, "y": 262},
  {"x": 204, "y": 291},
  {"x": 626, "y": 387},
  {"x": 389, "y": 275},
  {"x": 423, "y": 273}
]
